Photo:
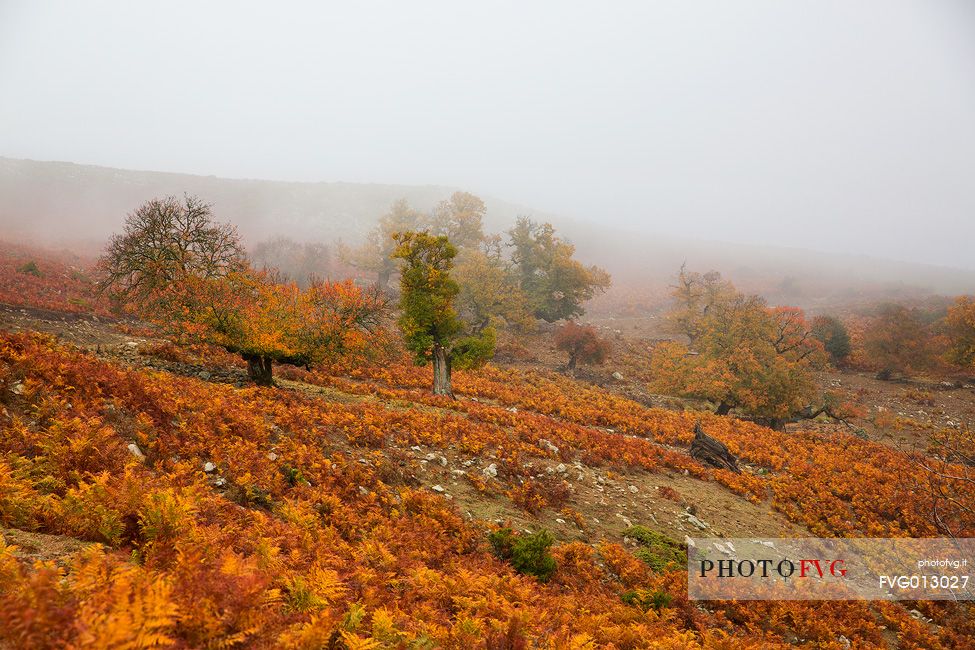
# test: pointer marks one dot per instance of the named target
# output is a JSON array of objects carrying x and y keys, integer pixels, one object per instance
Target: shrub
[
  {"x": 831, "y": 332},
  {"x": 647, "y": 600},
  {"x": 658, "y": 551},
  {"x": 528, "y": 554},
  {"x": 30, "y": 268},
  {"x": 582, "y": 343}
]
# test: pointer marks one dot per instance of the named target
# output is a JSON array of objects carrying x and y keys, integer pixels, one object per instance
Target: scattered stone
[
  {"x": 17, "y": 389},
  {"x": 438, "y": 488},
  {"x": 491, "y": 470},
  {"x": 443, "y": 460},
  {"x": 618, "y": 376},
  {"x": 272, "y": 456},
  {"x": 416, "y": 448},
  {"x": 458, "y": 472},
  {"x": 547, "y": 445},
  {"x": 135, "y": 451},
  {"x": 209, "y": 467},
  {"x": 561, "y": 468},
  {"x": 220, "y": 481},
  {"x": 560, "y": 521},
  {"x": 431, "y": 456},
  {"x": 693, "y": 521},
  {"x": 467, "y": 463},
  {"x": 363, "y": 490},
  {"x": 634, "y": 489},
  {"x": 204, "y": 375}
]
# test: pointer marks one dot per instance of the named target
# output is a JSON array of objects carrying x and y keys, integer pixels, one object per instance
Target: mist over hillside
[{"x": 67, "y": 204}]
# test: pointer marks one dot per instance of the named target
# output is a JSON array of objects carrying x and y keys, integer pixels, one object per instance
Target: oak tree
[
  {"x": 376, "y": 253},
  {"x": 460, "y": 219},
  {"x": 959, "y": 326},
  {"x": 582, "y": 343},
  {"x": 834, "y": 336},
  {"x": 743, "y": 354},
  {"x": 896, "y": 341},
  {"x": 431, "y": 327},
  {"x": 555, "y": 282},
  {"x": 178, "y": 269},
  {"x": 164, "y": 242}
]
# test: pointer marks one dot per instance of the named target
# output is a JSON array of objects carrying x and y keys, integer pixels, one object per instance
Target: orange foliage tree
[
  {"x": 582, "y": 343},
  {"x": 742, "y": 354},
  {"x": 896, "y": 341},
  {"x": 176, "y": 267},
  {"x": 959, "y": 327}
]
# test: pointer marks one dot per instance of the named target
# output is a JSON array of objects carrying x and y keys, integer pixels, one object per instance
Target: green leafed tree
[
  {"x": 431, "y": 327},
  {"x": 556, "y": 284},
  {"x": 460, "y": 219},
  {"x": 831, "y": 332},
  {"x": 375, "y": 255}
]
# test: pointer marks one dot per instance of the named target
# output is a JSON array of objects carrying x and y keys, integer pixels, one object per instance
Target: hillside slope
[{"x": 350, "y": 508}]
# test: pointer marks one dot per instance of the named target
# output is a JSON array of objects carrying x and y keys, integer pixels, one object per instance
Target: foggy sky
[{"x": 832, "y": 125}]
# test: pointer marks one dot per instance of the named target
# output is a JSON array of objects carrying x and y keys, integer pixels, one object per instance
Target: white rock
[
  {"x": 135, "y": 451},
  {"x": 272, "y": 456},
  {"x": 560, "y": 468},
  {"x": 634, "y": 489},
  {"x": 560, "y": 521},
  {"x": 491, "y": 470},
  {"x": 458, "y": 472},
  {"x": 547, "y": 445},
  {"x": 438, "y": 488},
  {"x": 617, "y": 376},
  {"x": 209, "y": 467},
  {"x": 17, "y": 389},
  {"x": 693, "y": 521}
]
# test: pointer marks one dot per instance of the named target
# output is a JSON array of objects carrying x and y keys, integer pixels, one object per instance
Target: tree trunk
[
  {"x": 710, "y": 451},
  {"x": 382, "y": 279},
  {"x": 441, "y": 371},
  {"x": 572, "y": 362},
  {"x": 724, "y": 408},
  {"x": 259, "y": 368}
]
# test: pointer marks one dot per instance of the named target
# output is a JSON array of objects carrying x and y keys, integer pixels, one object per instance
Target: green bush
[
  {"x": 30, "y": 268},
  {"x": 528, "y": 554},
  {"x": 659, "y": 552},
  {"x": 647, "y": 600}
]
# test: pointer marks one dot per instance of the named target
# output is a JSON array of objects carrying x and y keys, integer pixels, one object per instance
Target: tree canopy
[
  {"x": 431, "y": 327},
  {"x": 556, "y": 283},
  {"x": 743, "y": 354},
  {"x": 582, "y": 343},
  {"x": 834, "y": 336},
  {"x": 376, "y": 253},
  {"x": 206, "y": 292}
]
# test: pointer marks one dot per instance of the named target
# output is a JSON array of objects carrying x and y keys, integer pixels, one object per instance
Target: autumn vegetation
[{"x": 290, "y": 514}]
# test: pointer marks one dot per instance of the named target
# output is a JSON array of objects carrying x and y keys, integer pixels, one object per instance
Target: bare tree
[
  {"x": 947, "y": 489},
  {"x": 165, "y": 241}
]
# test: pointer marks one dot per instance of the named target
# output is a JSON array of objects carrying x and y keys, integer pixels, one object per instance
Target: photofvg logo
[{"x": 830, "y": 569}]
